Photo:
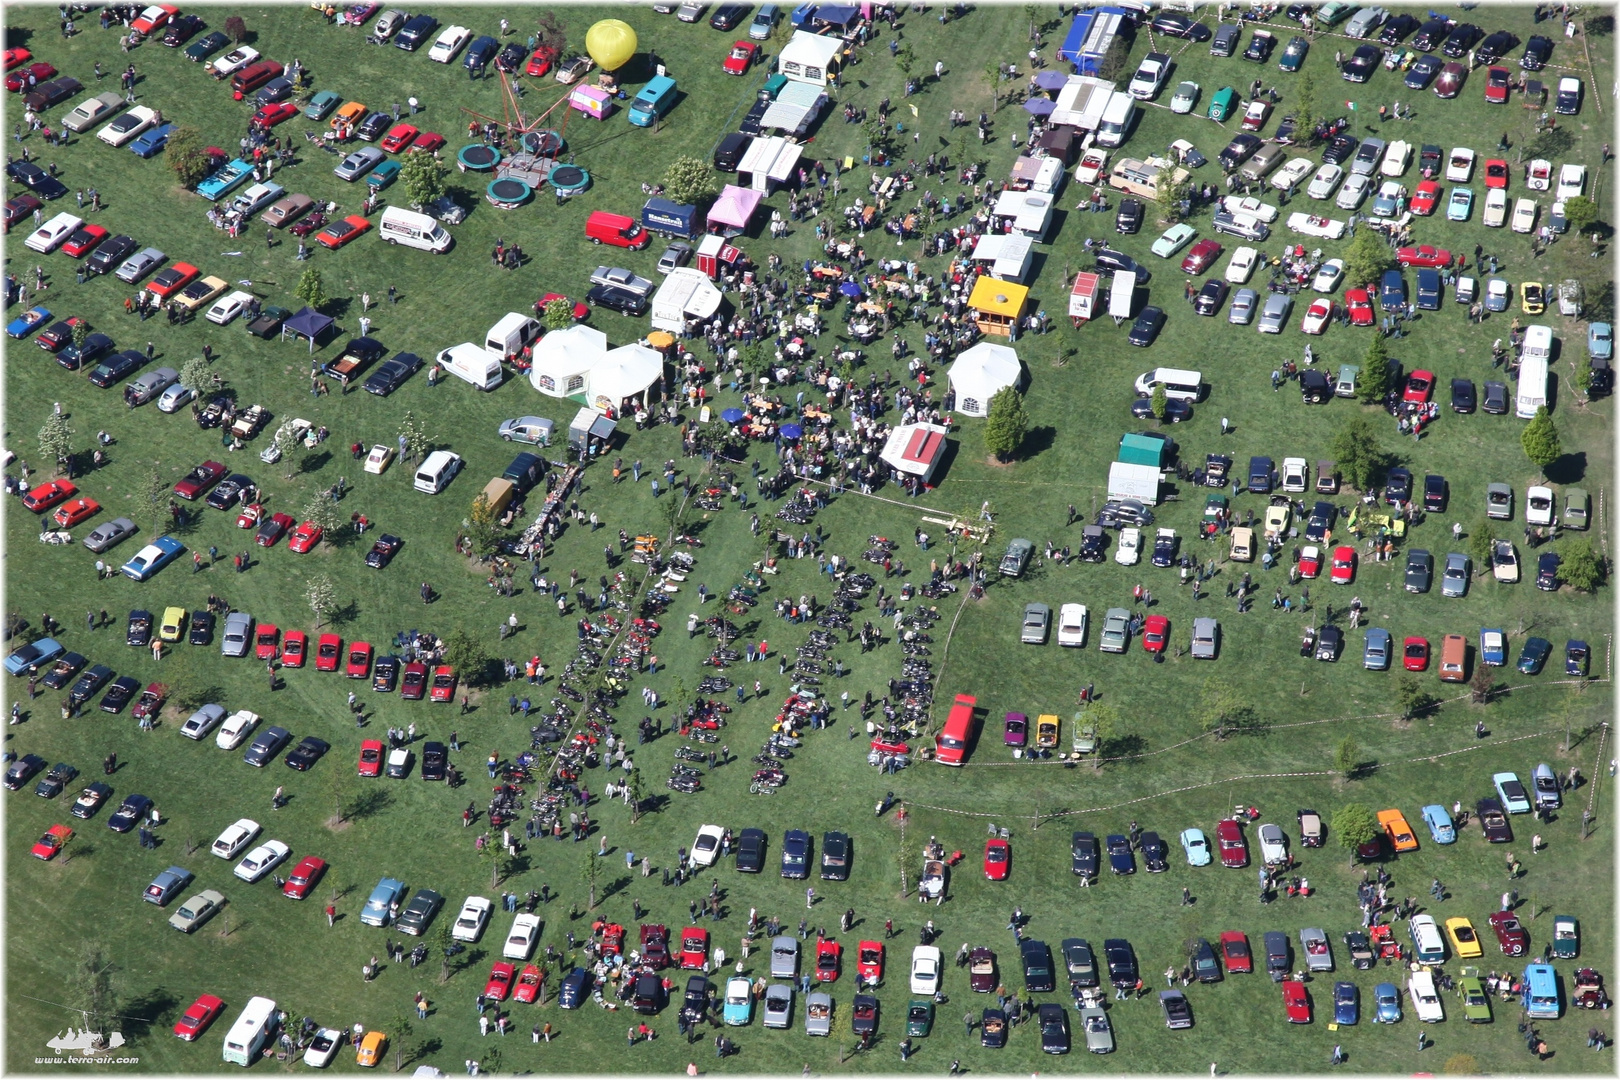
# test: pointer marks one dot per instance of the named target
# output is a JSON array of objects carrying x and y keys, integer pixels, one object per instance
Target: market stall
[
  {"x": 563, "y": 360},
  {"x": 732, "y": 211},
  {"x": 916, "y": 449},
  {"x": 980, "y": 372},
  {"x": 997, "y": 305}
]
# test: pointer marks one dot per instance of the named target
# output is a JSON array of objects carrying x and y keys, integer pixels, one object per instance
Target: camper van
[
  {"x": 401, "y": 226},
  {"x": 1453, "y": 658},
  {"x": 1179, "y": 384},
  {"x": 1116, "y": 120},
  {"x": 251, "y": 1031},
  {"x": 472, "y": 363},
  {"x": 1533, "y": 360},
  {"x": 508, "y": 337},
  {"x": 437, "y": 471},
  {"x": 654, "y": 100}
]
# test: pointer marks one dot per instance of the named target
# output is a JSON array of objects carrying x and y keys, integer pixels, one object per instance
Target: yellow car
[
  {"x": 1531, "y": 298},
  {"x": 200, "y": 292},
  {"x": 371, "y": 1048},
  {"x": 1400, "y": 833},
  {"x": 1464, "y": 942},
  {"x": 1046, "y": 731},
  {"x": 348, "y": 116},
  {"x": 174, "y": 624}
]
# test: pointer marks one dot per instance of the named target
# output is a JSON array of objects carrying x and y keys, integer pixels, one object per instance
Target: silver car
[
  {"x": 1116, "y": 631},
  {"x": 388, "y": 22},
  {"x": 1454, "y": 581},
  {"x": 1274, "y": 316},
  {"x": 175, "y": 398},
  {"x": 1244, "y": 303},
  {"x": 1370, "y": 153},
  {"x": 108, "y": 533},
  {"x": 359, "y": 163},
  {"x": 784, "y": 957},
  {"x": 1099, "y": 1034},
  {"x": 202, "y": 721},
  {"x": 138, "y": 265},
  {"x": 622, "y": 278},
  {"x": 1206, "y": 634},
  {"x": 1037, "y": 618},
  {"x": 818, "y": 1010},
  {"x": 778, "y": 1005},
  {"x": 1314, "y": 944},
  {"x": 238, "y": 634}
]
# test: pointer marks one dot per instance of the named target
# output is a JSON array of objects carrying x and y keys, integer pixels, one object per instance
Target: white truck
[{"x": 472, "y": 363}]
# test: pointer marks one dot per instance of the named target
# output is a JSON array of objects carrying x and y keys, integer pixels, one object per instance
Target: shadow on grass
[
  {"x": 140, "y": 1013},
  {"x": 616, "y": 886},
  {"x": 1568, "y": 469},
  {"x": 367, "y": 804},
  {"x": 1361, "y": 770},
  {"x": 348, "y": 613}
]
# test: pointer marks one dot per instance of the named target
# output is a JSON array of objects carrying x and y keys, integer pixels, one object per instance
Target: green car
[
  {"x": 323, "y": 103},
  {"x": 1335, "y": 12},
  {"x": 201, "y": 50},
  {"x": 1222, "y": 104},
  {"x": 1214, "y": 509},
  {"x": 1476, "y": 1005},
  {"x": 1534, "y": 655},
  {"x": 919, "y": 1017},
  {"x": 383, "y": 175},
  {"x": 196, "y": 911}
]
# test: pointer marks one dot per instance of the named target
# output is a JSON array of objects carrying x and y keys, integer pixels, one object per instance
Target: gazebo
[
  {"x": 308, "y": 323},
  {"x": 997, "y": 305},
  {"x": 731, "y": 212},
  {"x": 564, "y": 358},
  {"x": 623, "y": 374},
  {"x": 979, "y": 372},
  {"x": 809, "y": 57}
]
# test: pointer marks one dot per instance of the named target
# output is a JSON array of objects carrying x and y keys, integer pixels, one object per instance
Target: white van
[
  {"x": 472, "y": 363},
  {"x": 437, "y": 471},
  {"x": 1184, "y": 385},
  {"x": 1532, "y": 386},
  {"x": 251, "y": 1031},
  {"x": 1116, "y": 120},
  {"x": 401, "y": 226},
  {"x": 508, "y": 337}
]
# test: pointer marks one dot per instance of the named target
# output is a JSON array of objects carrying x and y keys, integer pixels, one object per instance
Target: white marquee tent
[{"x": 981, "y": 371}]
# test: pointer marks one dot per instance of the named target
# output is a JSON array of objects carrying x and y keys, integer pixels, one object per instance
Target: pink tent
[{"x": 731, "y": 212}]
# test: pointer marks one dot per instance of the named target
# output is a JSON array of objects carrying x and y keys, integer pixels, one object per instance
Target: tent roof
[
  {"x": 814, "y": 50},
  {"x": 625, "y": 371},
  {"x": 735, "y": 206},
  {"x": 998, "y": 298},
  {"x": 308, "y": 323},
  {"x": 773, "y": 155},
  {"x": 572, "y": 350},
  {"x": 836, "y": 14},
  {"x": 915, "y": 448},
  {"x": 696, "y": 294},
  {"x": 986, "y": 367}
]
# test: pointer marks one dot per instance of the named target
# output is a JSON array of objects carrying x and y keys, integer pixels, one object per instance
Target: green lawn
[{"x": 1168, "y": 775}]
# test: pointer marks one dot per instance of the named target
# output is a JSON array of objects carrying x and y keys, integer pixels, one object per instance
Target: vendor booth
[
  {"x": 686, "y": 296},
  {"x": 592, "y": 101},
  {"x": 624, "y": 376},
  {"x": 916, "y": 449},
  {"x": 1008, "y": 257},
  {"x": 997, "y": 305},
  {"x": 563, "y": 360},
  {"x": 590, "y": 432},
  {"x": 979, "y": 373},
  {"x": 308, "y": 323},
  {"x": 768, "y": 163},
  {"x": 1028, "y": 212},
  {"x": 809, "y": 58},
  {"x": 732, "y": 211},
  {"x": 795, "y": 109},
  {"x": 1083, "y": 297}
]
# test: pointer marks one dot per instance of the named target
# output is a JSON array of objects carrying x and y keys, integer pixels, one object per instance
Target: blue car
[
  {"x": 1492, "y": 646},
  {"x": 1439, "y": 823},
  {"x": 152, "y": 558},
  {"x": 1196, "y": 847},
  {"x": 739, "y": 1002},
  {"x": 1346, "y": 1003},
  {"x": 1509, "y": 789},
  {"x": 382, "y": 901},
  {"x": 1600, "y": 341},
  {"x": 575, "y": 989},
  {"x": 1375, "y": 655},
  {"x": 1460, "y": 205},
  {"x": 151, "y": 141},
  {"x": 28, "y": 322},
  {"x": 480, "y": 53},
  {"x": 1534, "y": 655},
  {"x": 1392, "y": 290},
  {"x": 1387, "y": 1000},
  {"x": 229, "y": 176},
  {"x": 37, "y": 655}
]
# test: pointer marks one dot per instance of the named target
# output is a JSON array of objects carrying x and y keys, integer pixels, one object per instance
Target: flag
[
  {"x": 914, "y": 110},
  {"x": 1350, "y": 105}
]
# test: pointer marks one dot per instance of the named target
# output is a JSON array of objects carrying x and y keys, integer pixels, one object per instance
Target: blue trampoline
[
  {"x": 507, "y": 193},
  {"x": 477, "y": 158}
]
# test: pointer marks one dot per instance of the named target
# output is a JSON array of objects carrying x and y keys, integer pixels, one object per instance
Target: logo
[{"x": 86, "y": 1040}]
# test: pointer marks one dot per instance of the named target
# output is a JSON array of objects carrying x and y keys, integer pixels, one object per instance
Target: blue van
[
  {"x": 655, "y": 99},
  {"x": 1540, "y": 994}
]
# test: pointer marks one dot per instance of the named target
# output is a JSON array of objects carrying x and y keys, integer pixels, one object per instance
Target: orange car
[
  {"x": 53, "y": 841},
  {"x": 70, "y": 514},
  {"x": 1399, "y": 832},
  {"x": 339, "y": 233},
  {"x": 348, "y": 116}
]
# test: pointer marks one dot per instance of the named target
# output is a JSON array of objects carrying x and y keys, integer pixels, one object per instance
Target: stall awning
[
  {"x": 685, "y": 294},
  {"x": 915, "y": 449},
  {"x": 1008, "y": 255},
  {"x": 993, "y": 297},
  {"x": 796, "y": 101},
  {"x": 769, "y": 159},
  {"x": 734, "y": 207},
  {"x": 1031, "y": 211}
]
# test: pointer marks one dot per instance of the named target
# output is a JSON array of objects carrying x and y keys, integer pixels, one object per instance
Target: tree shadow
[
  {"x": 1123, "y": 746},
  {"x": 1036, "y": 441},
  {"x": 652, "y": 804},
  {"x": 1568, "y": 469},
  {"x": 311, "y": 463},
  {"x": 368, "y": 803},
  {"x": 1361, "y": 770},
  {"x": 347, "y": 613},
  {"x": 141, "y": 1012},
  {"x": 616, "y": 886}
]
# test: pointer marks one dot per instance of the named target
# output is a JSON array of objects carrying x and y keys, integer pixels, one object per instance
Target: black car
[
  {"x": 1329, "y": 644},
  {"x": 1359, "y": 946},
  {"x": 1362, "y": 63},
  {"x": 1037, "y": 961},
  {"x": 180, "y": 30},
  {"x": 1495, "y": 47},
  {"x": 392, "y": 375},
  {"x": 1419, "y": 571},
  {"x": 36, "y": 179},
  {"x": 73, "y": 357},
  {"x": 415, "y": 916},
  {"x": 269, "y": 321},
  {"x": 993, "y": 1029},
  {"x": 1177, "y": 1009},
  {"x": 1175, "y": 410},
  {"x": 751, "y": 120},
  {"x": 1547, "y": 564},
  {"x": 728, "y": 155},
  {"x": 695, "y": 1002},
  {"x": 434, "y": 760},
  {"x": 1054, "y": 1029},
  {"x": 1154, "y": 851},
  {"x": 795, "y": 854},
  {"x": 60, "y": 776},
  {"x": 383, "y": 674},
  {"x": 130, "y": 813},
  {"x": 307, "y": 753},
  {"x": 90, "y": 800},
  {"x": 1314, "y": 388},
  {"x": 110, "y": 254},
  {"x": 512, "y": 57},
  {"x": 89, "y": 683},
  {"x": 266, "y": 745},
  {"x": 228, "y": 491},
  {"x": 1212, "y": 297},
  {"x": 1460, "y": 40},
  {"x": 119, "y": 694},
  {"x": 1164, "y": 554},
  {"x": 202, "y": 628},
  {"x": 1496, "y": 398},
  {"x": 199, "y": 51},
  {"x": 22, "y": 770},
  {"x": 575, "y": 989},
  {"x": 1537, "y": 51},
  {"x": 63, "y": 668},
  {"x": 525, "y": 471},
  {"x": 836, "y": 853},
  {"x": 1121, "y": 859},
  {"x": 623, "y": 301},
  {"x": 727, "y": 16},
  {"x": 372, "y": 127},
  {"x": 212, "y": 415},
  {"x": 648, "y": 993},
  {"x": 1093, "y": 542},
  {"x": 1260, "y": 46},
  {"x": 139, "y": 633},
  {"x": 1081, "y": 963},
  {"x": 1320, "y": 521},
  {"x": 1294, "y": 54},
  {"x": 1432, "y": 33},
  {"x": 1494, "y": 823},
  {"x": 751, "y": 851},
  {"x": 1111, "y": 261},
  {"x": 1277, "y": 954},
  {"x": 1129, "y": 217},
  {"x": 273, "y": 91},
  {"x": 383, "y": 549},
  {"x": 1173, "y": 23},
  {"x": 1435, "y": 493},
  {"x": 1145, "y": 330},
  {"x": 117, "y": 368},
  {"x": 1262, "y": 474},
  {"x": 864, "y": 1013},
  {"x": 1339, "y": 149},
  {"x": 1398, "y": 486},
  {"x": 1423, "y": 71},
  {"x": 1083, "y": 854},
  {"x": 1568, "y": 102},
  {"x": 1121, "y": 960},
  {"x": 1398, "y": 28},
  {"x": 415, "y": 31},
  {"x": 1240, "y": 149},
  {"x": 1206, "y": 968}
]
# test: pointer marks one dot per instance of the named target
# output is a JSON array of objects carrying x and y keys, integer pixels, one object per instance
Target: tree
[
  {"x": 1223, "y": 711},
  {"x": 302, "y": 91},
  {"x": 56, "y": 439},
  {"x": 322, "y": 596},
  {"x": 1005, "y": 427},
  {"x": 236, "y": 29},
  {"x": 1356, "y": 453},
  {"x": 323, "y": 513},
  {"x": 992, "y": 79},
  {"x": 187, "y": 155},
  {"x": 402, "y": 1032},
  {"x": 1583, "y": 376},
  {"x": 467, "y": 655},
  {"x": 1581, "y": 212},
  {"x": 1031, "y": 13},
  {"x": 551, "y": 32},
  {"x": 1412, "y": 699},
  {"x": 688, "y": 180},
  {"x": 1104, "y": 717},
  {"x": 195, "y": 376},
  {"x": 1159, "y": 401},
  {"x": 1540, "y": 440},
  {"x": 483, "y": 527},
  {"x": 442, "y": 943},
  {"x": 558, "y": 315},
  {"x": 672, "y": 517},
  {"x": 1480, "y": 685},
  {"x": 1372, "y": 382},
  {"x": 287, "y": 442},
  {"x": 1347, "y": 758},
  {"x": 1366, "y": 258},
  {"x": 1480, "y": 541},
  {"x": 423, "y": 176},
  {"x": 877, "y": 133},
  {"x": 1581, "y": 569},
  {"x": 590, "y": 874},
  {"x": 1304, "y": 115},
  {"x": 81, "y": 331},
  {"x": 500, "y": 862},
  {"x": 155, "y": 492},
  {"x": 906, "y": 59},
  {"x": 91, "y": 991},
  {"x": 637, "y": 795},
  {"x": 1354, "y": 825},
  {"x": 756, "y": 358},
  {"x": 1171, "y": 187},
  {"x": 311, "y": 289},
  {"x": 416, "y": 438}
]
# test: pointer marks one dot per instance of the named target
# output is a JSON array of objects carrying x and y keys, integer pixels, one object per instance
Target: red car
[
  {"x": 274, "y": 113},
  {"x": 1359, "y": 305},
  {"x": 1155, "y": 633},
  {"x": 741, "y": 58},
  {"x": 694, "y": 947},
  {"x": 83, "y": 240},
  {"x": 304, "y": 876},
  {"x": 1201, "y": 256},
  {"x": 1513, "y": 938},
  {"x": 1296, "y": 1002},
  {"x": 1344, "y": 565},
  {"x": 155, "y": 17},
  {"x": 528, "y": 985},
  {"x": 49, "y": 494},
  {"x": 271, "y": 531},
  {"x": 1415, "y": 654},
  {"x": 500, "y": 980},
  {"x": 444, "y": 684},
  {"x": 1496, "y": 173},
  {"x": 327, "y": 652},
  {"x": 1425, "y": 198},
  {"x": 339, "y": 233},
  {"x": 40, "y": 70},
  {"x": 398, "y": 138},
  {"x": 196, "y": 483},
  {"x": 371, "y": 755},
  {"x": 171, "y": 279},
  {"x": 294, "y": 647},
  {"x": 1234, "y": 849},
  {"x": 266, "y": 641},
  {"x": 249, "y": 515},
  {"x": 1423, "y": 255},
  {"x": 541, "y": 61},
  {"x": 1235, "y": 952},
  {"x": 150, "y": 703},
  {"x": 1419, "y": 385},
  {"x": 70, "y": 514},
  {"x": 359, "y": 665},
  {"x": 413, "y": 684},
  {"x": 427, "y": 142},
  {"x": 17, "y": 56},
  {"x": 20, "y": 209},
  {"x": 1310, "y": 561},
  {"x": 1317, "y": 316},
  {"x": 829, "y": 956},
  {"x": 869, "y": 962},
  {"x": 581, "y": 310},
  {"x": 204, "y": 1011},
  {"x": 55, "y": 838},
  {"x": 304, "y": 537},
  {"x": 1496, "y": 85},
  {"x": 997, "y": 859}
]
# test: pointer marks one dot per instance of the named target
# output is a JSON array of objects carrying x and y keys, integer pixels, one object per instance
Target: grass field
[{"x": 1168, "y": 774}]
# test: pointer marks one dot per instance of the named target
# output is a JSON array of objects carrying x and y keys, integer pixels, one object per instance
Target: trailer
[
  {"x": 1081, "y": 102},
  {"x": 1083, "y": 297},
  {"x": 1121, "y": 295}
]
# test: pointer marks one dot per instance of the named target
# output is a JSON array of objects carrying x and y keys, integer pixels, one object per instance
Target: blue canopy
[
  {"x": 731, "y": 416},
  {"x": 791, "y": 431},
  {"x": 1051, "y": 79},
  {"x": 836, "y": 14},
  {"x": 850, "y": 288},
  {"x": 308, "y": 323},
  {"x": 1040, "y": 106}
]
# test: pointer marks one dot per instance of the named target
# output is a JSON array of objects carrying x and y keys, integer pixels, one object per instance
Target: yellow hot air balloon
[{"x": 611, "y": 42}]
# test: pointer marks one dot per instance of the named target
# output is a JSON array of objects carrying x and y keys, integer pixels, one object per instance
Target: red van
[
  {"x": 254, "y": 76},
  {"x": 950, "y": 745},
  {"x": 616, "y": 229}
]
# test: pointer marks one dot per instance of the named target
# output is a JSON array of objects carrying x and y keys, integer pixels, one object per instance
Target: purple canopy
[
  {"x": 1050, "y": 80},
  {"x": 1040, "y": 106}
]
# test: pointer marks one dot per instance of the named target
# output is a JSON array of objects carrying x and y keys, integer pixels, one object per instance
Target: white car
[
  {"x": 235, "y": 837},
  {"x": 1149, "y": 76},
  {"x": 1524, "y": 215},
  {"x": 925, "y": 970},
  {"x": 126, "y": 127},
  {"x": 1250, "y": 205},
  {"x": 1460, "y": 165},
  {"x": 1296, "y": 474},
  {"x": 1571, "y": 180},
  {"x": 1353, "y": 192},
  {"x": 1396, "y": 158},
  {"x": 261, "y": 860},
  {"x": 1538, "y": 175},
  {"x": 1425, "y": 1001},
  {"x": 1326, "y": 179},
  {"x": 1317, "y": 316},
  {"x": 1538, "y": 505},
  {"x": 1496, "y": 205},
  {"x": 1311, "y": 225},
  {"x": 236, "y": 728},
  {"x": 1328, "y": 277},
  {"x": 706, "y": 848},
  {"x": 323, "y": 1048},
  {"x": 522, "y": 938},
  {"x": 449, "y": 44},
  {"x": 228, "y": 307},
  {"x": 469, "y": 925},
  {"x": 1273, "y": 844},
  {"x": 1244, "y": 260},
  {"x": 92, "y": 110},
  {"x": 1186, "y": 96},
  {"x": 1072, "y": 625},
  {"x": 234, "y": 61},
  {"x": 1093, "y": 164},
  {"x": 1129, "y": 549},
  {"x": 1292, "y": 173},
  {"x": 51, "y": 235},
  {"x": 378, "y": 459},
  {"x": 1504, "y": 566}
]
